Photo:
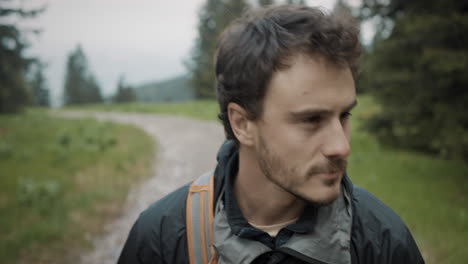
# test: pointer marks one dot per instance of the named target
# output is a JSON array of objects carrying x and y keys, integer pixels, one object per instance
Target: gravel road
[{"x": 186, "y": 148}]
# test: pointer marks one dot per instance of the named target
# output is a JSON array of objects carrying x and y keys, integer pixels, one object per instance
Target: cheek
[
  {"x": 276, "y": 133},
  {"x": 347, "y": 130},
  {"x": 300, "y": 148},
  {"x": 293, "y": 141}
]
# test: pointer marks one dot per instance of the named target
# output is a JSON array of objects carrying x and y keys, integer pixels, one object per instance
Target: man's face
[{"x": 302, "y": 137}]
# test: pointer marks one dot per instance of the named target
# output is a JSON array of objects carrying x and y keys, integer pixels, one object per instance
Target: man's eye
[
  {"x": 313, "y": 119},
  {"x": 345, "y": 115}
]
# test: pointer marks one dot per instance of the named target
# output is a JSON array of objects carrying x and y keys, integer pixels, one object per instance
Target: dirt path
[{"x": 186, "y": 148}]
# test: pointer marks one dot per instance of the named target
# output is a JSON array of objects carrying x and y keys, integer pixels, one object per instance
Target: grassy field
[
  {"x": 431, "y": 195},
  {"x": 205, "y": 110},
  {"x": 61, "y": 180}
]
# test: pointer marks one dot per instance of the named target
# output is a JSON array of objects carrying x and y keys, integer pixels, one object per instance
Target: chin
[
  {"x": 327, "y": 199},
  {"x": 321, "y": 195}
]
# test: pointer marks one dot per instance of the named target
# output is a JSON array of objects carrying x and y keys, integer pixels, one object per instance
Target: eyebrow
[
  {"x": 320, "y": 111},
  {"x": 351, "y": 106}
]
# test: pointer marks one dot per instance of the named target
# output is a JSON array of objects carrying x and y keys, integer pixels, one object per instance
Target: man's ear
[{"x": 242, "y": 126}]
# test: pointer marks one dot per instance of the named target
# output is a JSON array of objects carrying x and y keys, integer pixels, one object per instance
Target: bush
[{"x": 418, "y": 75}]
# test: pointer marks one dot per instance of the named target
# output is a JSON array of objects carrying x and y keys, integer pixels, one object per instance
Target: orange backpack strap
[{"x": 199, "y": 220}]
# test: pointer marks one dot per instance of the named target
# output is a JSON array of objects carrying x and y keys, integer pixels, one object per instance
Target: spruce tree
[
  {"x": 80, "y": 85},
  {"x": 214, "y": 16},
  {"x": 38, "y": 85},
  {"x": 125, "y": 93},
  {"x": 14, "y": 63},
  {"x": 417, "y": 72}
]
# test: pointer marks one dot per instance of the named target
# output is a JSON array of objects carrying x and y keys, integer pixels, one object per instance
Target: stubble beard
[{"x": 275, "y": 170}]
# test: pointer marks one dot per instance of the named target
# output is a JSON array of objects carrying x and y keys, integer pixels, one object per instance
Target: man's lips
[{"x": 330, "y": 174}]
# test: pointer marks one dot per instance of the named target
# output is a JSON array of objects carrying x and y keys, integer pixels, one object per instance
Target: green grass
[
  {"x": 61, "y": 180},
  {"x": 203, "y": 109},
  {"x": 430, "y": 195}
]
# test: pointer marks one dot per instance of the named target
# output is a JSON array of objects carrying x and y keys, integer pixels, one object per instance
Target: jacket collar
[
  {"x": 306, "y": 226},
  {"x": 238, "y": 223},
  {"x": 323, "y": 236}
]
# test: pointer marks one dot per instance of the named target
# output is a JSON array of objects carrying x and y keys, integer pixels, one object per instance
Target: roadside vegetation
[
  {"x": 202, "y": 109},
  {"x": 61, "y": 180},
  {"x": 429, "y": 193}
]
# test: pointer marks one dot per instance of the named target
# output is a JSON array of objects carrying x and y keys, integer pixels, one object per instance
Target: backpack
[{"x": 199, "y": 220}]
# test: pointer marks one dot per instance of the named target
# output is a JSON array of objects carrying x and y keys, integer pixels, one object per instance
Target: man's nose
[{"x": 336, "y": 141}]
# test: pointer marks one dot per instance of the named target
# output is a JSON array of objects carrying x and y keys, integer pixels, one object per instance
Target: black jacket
[{"x": 378, "y": 235}]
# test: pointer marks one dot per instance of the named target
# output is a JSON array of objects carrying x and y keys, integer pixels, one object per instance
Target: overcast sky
[{"x": 145, "y": 40}]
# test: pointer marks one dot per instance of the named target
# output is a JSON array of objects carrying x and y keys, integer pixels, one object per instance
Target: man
[{"x": 285, "y": 85}]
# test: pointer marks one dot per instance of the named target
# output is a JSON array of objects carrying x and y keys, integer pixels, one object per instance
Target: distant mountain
[{"x": 172, "y": 90}]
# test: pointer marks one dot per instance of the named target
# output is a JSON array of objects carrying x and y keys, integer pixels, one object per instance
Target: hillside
[{"x": 176, "y": 89}]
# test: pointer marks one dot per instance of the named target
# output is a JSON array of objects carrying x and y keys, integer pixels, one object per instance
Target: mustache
[{"x": 331, "y": 166}]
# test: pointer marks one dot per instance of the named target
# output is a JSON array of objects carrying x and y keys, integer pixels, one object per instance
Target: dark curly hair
[{"x": 260, "y": 43}]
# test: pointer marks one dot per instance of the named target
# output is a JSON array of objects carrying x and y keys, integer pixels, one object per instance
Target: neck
[{"x": 261, "y": 201}]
